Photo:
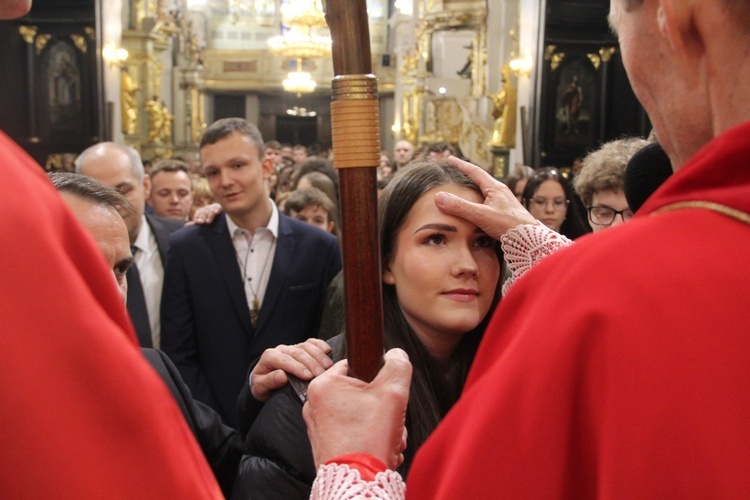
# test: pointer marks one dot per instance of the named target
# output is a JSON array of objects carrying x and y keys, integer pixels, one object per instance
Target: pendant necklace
[{"x": 255, "y": 309}]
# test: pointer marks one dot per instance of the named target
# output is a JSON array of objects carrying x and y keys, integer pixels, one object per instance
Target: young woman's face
[
  {"x": 549, "y": 205},
  {"x": 445, "y": 271}
]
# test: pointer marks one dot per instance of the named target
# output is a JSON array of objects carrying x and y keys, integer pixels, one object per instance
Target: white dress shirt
[
  {"x": 151, "y": 270},
  {"x": 255, "y": 254}
]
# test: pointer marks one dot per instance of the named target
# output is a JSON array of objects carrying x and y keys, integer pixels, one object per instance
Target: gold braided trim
[
  {"x": 708, "y": 205},
  {"x": 356, "y": 137},
  {"x": 354, "y": 87},
  {"x": 355, "y": 121}
]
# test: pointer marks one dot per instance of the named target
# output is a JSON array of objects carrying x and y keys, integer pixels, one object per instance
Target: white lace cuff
[
  {"x": 340, "y": 482},
  {"x": 526, "y": 245}
]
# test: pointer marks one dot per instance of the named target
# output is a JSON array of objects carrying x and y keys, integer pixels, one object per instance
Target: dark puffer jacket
[{"x": 279, "y": 462}]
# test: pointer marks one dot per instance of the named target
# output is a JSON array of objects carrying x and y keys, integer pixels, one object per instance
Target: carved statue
[
  {"x": 129, "y": 103},
  {"x": 166, "y": 126},
  {"x": 137, "y": 13},
  {"x": 409, "y": 118},
  {"x": 504, "y": 131},
  {"x": 465, "y": 72},
  {"x": 155, "y": 119},
  {"x": 193, "y": 47}
]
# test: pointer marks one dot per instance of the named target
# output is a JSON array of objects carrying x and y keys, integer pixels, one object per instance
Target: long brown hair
[{"x": 434, "y": 387}]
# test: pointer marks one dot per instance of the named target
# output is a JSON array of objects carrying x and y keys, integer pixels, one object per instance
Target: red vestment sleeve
[
  {"x": 617, "y": 368},
  {"x": 367, "y": 465},
  {"x": 83, "y": 415}
]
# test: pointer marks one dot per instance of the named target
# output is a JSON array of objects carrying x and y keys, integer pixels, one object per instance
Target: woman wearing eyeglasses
[{"x": 547, "y": 196}]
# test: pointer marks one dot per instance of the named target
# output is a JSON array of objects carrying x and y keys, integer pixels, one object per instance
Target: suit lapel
[
  {"x": 226, "y": 260},
  {"x": 136, "y": 306},
  {"x": 282, "y": 262},
  {"x": 161, "y": 235}
]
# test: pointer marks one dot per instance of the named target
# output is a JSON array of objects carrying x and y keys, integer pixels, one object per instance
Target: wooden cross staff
[{"x": 356, "y": 155}]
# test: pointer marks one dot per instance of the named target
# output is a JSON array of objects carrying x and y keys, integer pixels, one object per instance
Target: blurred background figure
[
  {"x": 171, "y": 190},
  {"x": 442, "y": 150},
  {"x": 321, "y": 181},
  {"x": 547, "y": 196},
  {"x": 299, "y": 154},
  {"x": 402, "y": 153},
  {"x": 273, "y": 151},
  {"x": 599, "y": 183},
  {"x": 313, "y": 206},
  {"x": 517, "y": 179},
  {"x": 322, "y": 166},
  {"x": 272, "y": 183},
  {"x": 202, "y": 195},
  {"x": 386, "y": 166}
]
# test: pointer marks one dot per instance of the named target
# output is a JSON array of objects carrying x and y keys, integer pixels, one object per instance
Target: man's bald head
[
  {"x": 119, "y": 167},
  {"x": 402, "y": 152}
]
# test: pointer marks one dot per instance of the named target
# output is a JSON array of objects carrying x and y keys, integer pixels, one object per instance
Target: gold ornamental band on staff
[{"x": 355, "y": 121}]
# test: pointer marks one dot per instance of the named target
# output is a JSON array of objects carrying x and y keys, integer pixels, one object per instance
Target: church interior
[{"x": 533, "y": 82}]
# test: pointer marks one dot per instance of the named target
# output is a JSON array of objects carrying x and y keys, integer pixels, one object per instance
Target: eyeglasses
[
  {"x": 558, "y": 203},
  {"x": 604, "y": 216}
]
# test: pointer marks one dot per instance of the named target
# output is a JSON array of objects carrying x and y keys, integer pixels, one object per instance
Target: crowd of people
[{"x": 172, "y": 344}]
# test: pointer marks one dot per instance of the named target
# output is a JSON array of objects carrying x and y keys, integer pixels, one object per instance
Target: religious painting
[
  {"x": 575, "y": 104},
  {"x": 63, "y": 86},
  {"x": 571, "y": 101},
  {"x": 53, "y": 70}
]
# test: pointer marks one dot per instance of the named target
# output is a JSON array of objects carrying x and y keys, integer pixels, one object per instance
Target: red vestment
[
  {"x": 618, "y": 367},
  {"x": 82, "y": 414}
]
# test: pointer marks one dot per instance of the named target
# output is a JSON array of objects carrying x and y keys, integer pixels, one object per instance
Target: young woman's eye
[
  {"x": 435, "y": 239},
  {"x": 484, "y": 242}
]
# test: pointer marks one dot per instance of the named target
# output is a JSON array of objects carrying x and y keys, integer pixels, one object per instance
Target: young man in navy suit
[{"x": 252, "y": 279}]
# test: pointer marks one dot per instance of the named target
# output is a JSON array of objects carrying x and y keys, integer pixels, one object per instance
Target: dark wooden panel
[
  {"x": 229, "y": 106},
  {"x": 578, "y": 21},
  {"x": 577, "y": 13},
  {"x": 49, "y": 93},
  {"x": 584, "y": 95},
  {"x": 61, "y": 11},
  {"x": 297, "y": 130},
  {"x": 14, "y": 89}
]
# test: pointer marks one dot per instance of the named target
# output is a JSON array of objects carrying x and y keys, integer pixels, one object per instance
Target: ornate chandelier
[
  {"x": 300, "y": 42},
  {"x": 303, "y": 13},
  {"x": 299, "y": 82},
  {"x": 303, "y": 18}
]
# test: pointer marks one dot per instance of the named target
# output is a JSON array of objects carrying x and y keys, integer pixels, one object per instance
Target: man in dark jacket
[
  {"x": 120, "y": 167},
  {"x": 99, "y": 209},
  {"x": 253, "y": 279}
]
